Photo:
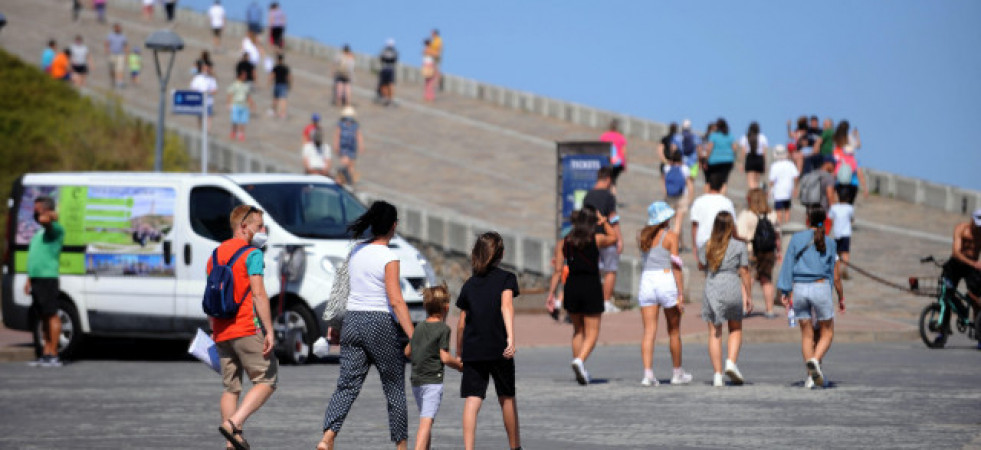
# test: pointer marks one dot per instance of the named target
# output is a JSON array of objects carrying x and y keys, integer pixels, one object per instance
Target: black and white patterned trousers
[{"x": 370, "y": 337}]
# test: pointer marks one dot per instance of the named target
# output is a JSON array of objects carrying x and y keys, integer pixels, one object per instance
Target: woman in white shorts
[{"x": 661, "y": 285}]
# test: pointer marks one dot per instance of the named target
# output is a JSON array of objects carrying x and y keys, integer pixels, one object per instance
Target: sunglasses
[{"x": 252, "y": 209}]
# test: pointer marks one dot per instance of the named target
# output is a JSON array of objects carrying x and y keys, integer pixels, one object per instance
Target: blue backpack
[
  {"x": 688, "y": 146},
  {"x": 674, "y": 181},
  {"x": 219, "y": 292}
]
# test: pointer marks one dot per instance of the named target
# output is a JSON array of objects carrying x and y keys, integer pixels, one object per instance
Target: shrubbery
[{"x": 47, "y": 126}]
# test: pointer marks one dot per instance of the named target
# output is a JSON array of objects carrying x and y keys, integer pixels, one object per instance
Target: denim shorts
[
  {"x": 814, "y": 296},
  {"x": 280, "y": 90},
  {"x": 609, "y": 259},
  {"x": 428, "y": 397},
  {"x": 240, "y": 114}
]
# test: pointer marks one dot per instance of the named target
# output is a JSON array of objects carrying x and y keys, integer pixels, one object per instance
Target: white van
[{"x": 136, "y": 246}]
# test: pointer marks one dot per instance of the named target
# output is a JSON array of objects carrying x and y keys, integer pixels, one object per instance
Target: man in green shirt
[
  {"x": 826, "y": 143},
  {"x": 42, "y": 277}
]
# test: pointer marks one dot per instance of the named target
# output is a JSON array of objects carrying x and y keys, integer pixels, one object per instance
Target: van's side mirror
[
  {"x": 187, "y": 254},
  {"x": 168, "y": 252}
]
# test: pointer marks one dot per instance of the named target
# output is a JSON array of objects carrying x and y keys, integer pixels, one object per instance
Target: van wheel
[
  {"x": 71, "y": 331},
  {"x": 295, "y": 330}
]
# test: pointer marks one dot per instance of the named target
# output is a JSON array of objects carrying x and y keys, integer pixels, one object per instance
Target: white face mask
[{"x": 259, "y": 239}]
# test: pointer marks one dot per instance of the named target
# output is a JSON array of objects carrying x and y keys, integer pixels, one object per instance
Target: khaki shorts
[
  {"x": 245, "y": 353},
  {"x": 118, "y": 64}
]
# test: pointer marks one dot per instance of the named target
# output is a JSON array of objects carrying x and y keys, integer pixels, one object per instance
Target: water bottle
[{"x": 791, "y": 318}]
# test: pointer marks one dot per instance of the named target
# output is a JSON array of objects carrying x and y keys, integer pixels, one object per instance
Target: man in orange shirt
[
  {"x": 245, "y": 342},
  {"x": 61, "y": 66}
]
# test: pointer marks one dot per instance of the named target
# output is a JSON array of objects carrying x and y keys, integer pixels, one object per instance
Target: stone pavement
[
  {"x": 470, "y": 157},
  {"x": 882, "y": 396}
]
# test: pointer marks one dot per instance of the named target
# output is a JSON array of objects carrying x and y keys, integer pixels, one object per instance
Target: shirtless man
[{"x": 963, "y": 263}]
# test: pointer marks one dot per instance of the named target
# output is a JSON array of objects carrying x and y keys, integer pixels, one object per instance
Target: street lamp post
[{"x": 169, "y": 42}]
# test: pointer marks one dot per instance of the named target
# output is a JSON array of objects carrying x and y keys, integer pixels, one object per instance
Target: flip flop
[{"x": 234, "y": 435}]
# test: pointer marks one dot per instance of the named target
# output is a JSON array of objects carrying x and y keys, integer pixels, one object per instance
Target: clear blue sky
[{"x": 907, "y": 73}]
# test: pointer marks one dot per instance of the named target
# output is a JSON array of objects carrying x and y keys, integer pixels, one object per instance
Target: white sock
[
  {"x": 678, "y": 371},
  {"x": 649, "y": 374}
]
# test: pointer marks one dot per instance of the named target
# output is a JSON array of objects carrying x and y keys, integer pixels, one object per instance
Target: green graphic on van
[{"x": 121, "y": 228}]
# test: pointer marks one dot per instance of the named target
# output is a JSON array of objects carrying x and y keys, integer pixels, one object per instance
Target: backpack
[
  {"x": 844, "y": 174},
  {"x": 219, "y": 291},
  {"x": 674, "y": 181},
  {"x": 810, "y": 188},
  {"x": 688, "y": 146},
  {"x": 765, "y": 237}
]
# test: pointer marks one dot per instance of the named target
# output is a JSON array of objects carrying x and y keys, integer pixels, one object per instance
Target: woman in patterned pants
[{"x": 370, "y": 335}]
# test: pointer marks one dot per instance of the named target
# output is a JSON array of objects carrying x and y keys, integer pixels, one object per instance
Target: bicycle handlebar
[{"x": 931, "y": 259}]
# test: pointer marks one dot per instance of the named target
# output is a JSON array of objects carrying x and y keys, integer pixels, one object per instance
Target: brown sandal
[{"x": 234, "y": 435}]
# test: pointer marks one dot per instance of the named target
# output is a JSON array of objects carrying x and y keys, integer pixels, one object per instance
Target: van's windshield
[{"x": 309, "y": 210}]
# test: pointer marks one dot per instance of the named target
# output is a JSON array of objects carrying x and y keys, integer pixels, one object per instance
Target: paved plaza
[{"x": 899, "y": 395}]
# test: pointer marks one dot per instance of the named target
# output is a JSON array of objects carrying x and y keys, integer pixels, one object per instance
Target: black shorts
[
  {"x": 476, "y": 374},
  {"x": 781, "y": 205},
  {"x": 276, "y": 35},
  {"x": 723, "y": 168},
  {"x": 216, "y": 32},
  {"x": 255, "y": 28},
  {"x": 615, "y": 174},
  {"x": 955, "y": 271},
  {"x": 80, "y": 69},
  {"x": 45, "y": 293},
  {"x": 755, "y": 163},
  {"x": 386, "y": 77},
  {"x": 844, "y": 244}
]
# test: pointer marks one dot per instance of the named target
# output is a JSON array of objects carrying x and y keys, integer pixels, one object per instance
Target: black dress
[{"x": 583, "y": 292}]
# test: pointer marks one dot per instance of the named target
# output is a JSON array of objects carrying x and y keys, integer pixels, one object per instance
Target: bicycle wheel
[{"x": 931, "y": 330}]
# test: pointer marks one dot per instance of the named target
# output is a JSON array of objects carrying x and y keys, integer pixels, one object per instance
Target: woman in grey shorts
[
  {"x": 809, "y": 268},
  {"x": 726, "y": 295}
]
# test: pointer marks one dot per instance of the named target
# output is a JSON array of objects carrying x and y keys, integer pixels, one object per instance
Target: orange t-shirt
[
  {"x": 244, "y": 323},
  {"x": 59, "y": 66}
]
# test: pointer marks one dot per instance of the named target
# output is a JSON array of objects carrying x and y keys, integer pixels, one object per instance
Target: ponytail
[
  {"x": 816, "y": 217},
  {"x": 379, "y": 219}
]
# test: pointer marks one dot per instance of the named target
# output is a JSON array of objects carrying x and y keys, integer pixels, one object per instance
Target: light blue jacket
[{"x": 810, "y": 265}]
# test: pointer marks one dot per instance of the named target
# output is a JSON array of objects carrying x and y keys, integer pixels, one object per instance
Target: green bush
[{"x": 47, "y": 126}]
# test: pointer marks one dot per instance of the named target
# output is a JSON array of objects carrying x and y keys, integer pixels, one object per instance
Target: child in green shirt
[{"x": 135, "y": 62}]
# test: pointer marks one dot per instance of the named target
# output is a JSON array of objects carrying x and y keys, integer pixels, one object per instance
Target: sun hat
[
  {"x": 977, "y": 217},
  {"x": 779, "y": 151},
  {"x": 315, "y": 117},
  {"x": 686, "y": 124},
  {"x": 390, "y": 42},
  {"x": 658, "y": 213},
  {"x": 348, "y": 111}
]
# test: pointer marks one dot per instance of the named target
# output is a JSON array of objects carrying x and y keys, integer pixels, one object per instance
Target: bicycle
[{"x": 935, "y": 323}]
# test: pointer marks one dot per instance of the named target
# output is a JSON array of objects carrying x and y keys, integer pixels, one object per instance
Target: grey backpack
[{"x": 810, "y": 188}]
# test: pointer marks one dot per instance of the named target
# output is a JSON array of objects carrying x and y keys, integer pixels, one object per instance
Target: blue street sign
[{"x": 188, "y": 102}]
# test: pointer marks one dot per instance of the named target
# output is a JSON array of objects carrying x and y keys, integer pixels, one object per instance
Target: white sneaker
[
  {"x": 580, "y": 370},
  {"x": 808, "y": 382},
  {"x": 650, "y": 382},
  {"x": 609, "y": 307},
  {"x": 717, "y": 380},
  {"x": 681, "y": 377},
  {"x": 733, "y": 372},
  {"x": 814, "y": 370}
]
